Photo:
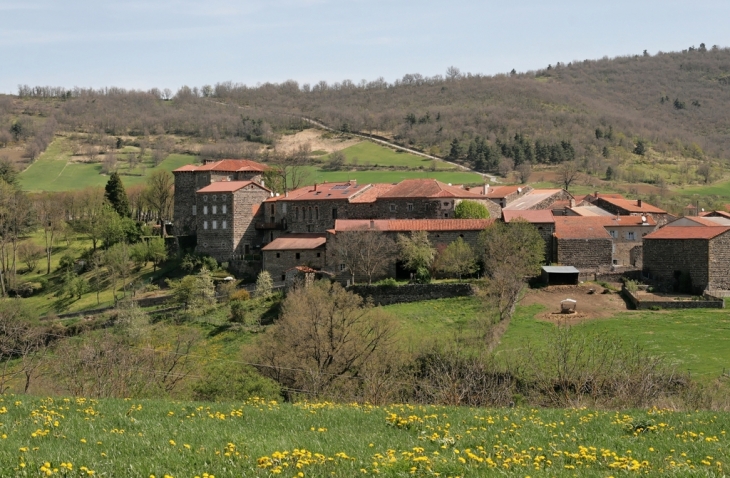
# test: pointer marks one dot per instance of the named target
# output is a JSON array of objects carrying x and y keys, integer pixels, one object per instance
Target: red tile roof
[
  {"x": 499, "y": 192},
  {"x": 428, "y": 188},
  {"x": 324, "y": 191},
  {"x": 290, "y": 242},
  {"x": 226, "y": 165},
  {"x": 405, "y": 225},
  {"x": 687, "y": 232},
  {"x": 372, "y": 193},
  {"x": 536, "y": 216},
  {"x": 228, "y": 186},
  {"x": 589, "y": 227},
  {"x": 632, "y": 205}
]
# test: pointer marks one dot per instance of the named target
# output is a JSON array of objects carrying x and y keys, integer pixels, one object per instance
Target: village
[{"x": 226, "y": 211}]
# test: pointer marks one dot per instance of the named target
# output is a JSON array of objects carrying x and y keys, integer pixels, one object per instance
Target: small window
[
  {"x": 316, "y": 213},
  {"x": 392, "y": 208},
  {"x": 271, "y": 236},
  {"x": 278, "y": 255},
  {"x": 215, "y": 224},
  {"x": 319, "y": 254},
  {"x": 446, "y": 214},
  {"x": 223, "y": 196},
  {"x": 334, "y": 213},
  {"x": 224, "y": 225},
  {"x": 410, "y": 207},
  {"x": 446, "y": 204},
  {"x": 310, "y": 213},
  {"x": 246, "y": 249},
  {"x": 224, "y": 209},
  {"x": 296, "y": 213},
  {"x": 205, "y": 224},
  {"x": 461, "y": 235},
  {"x": 205, "y": 198},
  {"x": 283, "y": 277},
  {"x": 215, "y": 209},
  {"x": 283, "y": 207},
  {"x": 214, "y": 198},
  {"x": 615, "y": 262},
  {"x": 195, "y": 210},
  {"x": 342, "y": 267},
  {"x": 205, "y": 244},
  {"x": 298, "y": 255},
  {"x": 613, "y": 234},
  {"x": 205, "y": 210},
  {"x": 630, "y": 236}
]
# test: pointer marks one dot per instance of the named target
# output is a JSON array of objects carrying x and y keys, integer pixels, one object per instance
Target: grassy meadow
[
  {"x": 367, "y": 153},
  {"x": 82, "y": 437}
]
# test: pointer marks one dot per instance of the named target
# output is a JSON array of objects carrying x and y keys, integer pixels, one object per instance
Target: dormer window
[{"x": 392, "y": 208}]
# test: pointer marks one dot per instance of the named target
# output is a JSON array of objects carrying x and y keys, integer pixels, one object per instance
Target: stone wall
[
  {"x": 665, "y": 258},
  {"x": 385, "y": 295},
  {"x": 184, "y": 200},
  {"x": 584, "y": 254},
  {"x": 643, "y": 304},
  {"x": 719, "y": 266}
]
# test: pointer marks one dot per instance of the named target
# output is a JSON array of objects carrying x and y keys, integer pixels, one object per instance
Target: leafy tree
[
  {"x": 8, "y": 172},
  {"x": 116, "y": 195},
  {"x": 264, "y": 284},
  {"x": 609, "y": 173},
  {"x": 195, "y": 292},
  {"x": 415, "y": 250},
  {"x": 640, "y": 147},
  {"x": 159, "y": 196},
  {"x": 455, "y": 151},
  {"x": 606, "y": 153},
  {"x": 117, "y": 259},
  {"x": 223, "y": 382},
  {"x": 156, "y": 251},
  {"x": 510, "y": 253},
  {"x": 458, "y": 259},
  {"x": 471, "y": 210}
]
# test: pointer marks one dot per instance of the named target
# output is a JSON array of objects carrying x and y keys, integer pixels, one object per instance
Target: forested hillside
[{"x": 673, "y": 107}]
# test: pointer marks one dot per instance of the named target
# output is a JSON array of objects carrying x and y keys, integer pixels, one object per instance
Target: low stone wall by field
[
  {"x": 704, "y": 303},
  {"x": 386, "y": 295}
]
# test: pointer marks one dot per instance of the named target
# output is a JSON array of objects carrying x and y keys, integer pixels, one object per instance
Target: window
[
  {"x": 271, "y": 236},
  {"x": 278, "y": 255},
  {"x": 319, "y": 254},
  {"x": 296, "y": 213},
  {"x": 205, "y": 198},
  {"x": 195, "y": 210},
  {"x": 310, "y": 213},
  {"x": 215, "y": 209},
  {"x": 316, "y": 213},
  {"x": 392, "y": 208},
  {"x": 214, "y": 197},
  {"x": 446, "y": 214},
  {"x": 224, "y": 225},
  {"x": 246, "y": 249},
  {"x": 334, "y": 213},
  {"x": 224, "y": 209},
  {"x": 205, "y": 244},
  {"x": 273, "y": 209},
  {"x": 283, "y": 277},
  {"x": 205, "y": 224},
  {"x": 309, "y": 228},
  {"x": 630, "y": 236},
  {"x": 205, "y": 209},
  {"x": 283, "y": 208},
  {"x": 215, "y": 224},
  {"x": 409, "y": 207},
  {"x": 223, "y": 196},
  {"x": 446, "y": 204},
  {"x": 613, "y": 234},
  {"x": 342, "y": 267},
  {"x": 298, "y": 255}
]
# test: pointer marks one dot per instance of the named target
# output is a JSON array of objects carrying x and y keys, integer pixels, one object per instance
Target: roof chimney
[
  {"x": 315, "y": 186},
  {"x": 572, "y": 202},
  {"x": 372, "y": 224},
  {"x": 638, "y": 202},
  {"x": 486, "y": 189},
  {"x": 595, "y": 194}
]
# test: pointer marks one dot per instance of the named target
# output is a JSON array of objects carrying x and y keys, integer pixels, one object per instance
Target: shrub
[
  {"x": 238, "y": 311},
  {"x": 240, "y": 294},
  {"x": 209, "y": 263},
  {"x": 387, "y": 282},
  {"x": 471, "y": 210},
  {"x": 631, "y": 285},
  {"x": 223, "y": 382},
  {"x": 422, "y": 276},
  {"x": 66, "y": 262},
  {"x": 264, "y": 284},
  {"x": 225, "y": 290}
]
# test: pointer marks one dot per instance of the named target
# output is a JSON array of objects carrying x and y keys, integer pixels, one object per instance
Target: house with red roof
[
  {"x": 632, "y": 207},
  {"x": 542, "y": 219},
  {"x": 689, "y": 257}
]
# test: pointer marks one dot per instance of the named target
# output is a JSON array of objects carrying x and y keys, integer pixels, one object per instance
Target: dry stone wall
[{"x": 386, "y": 295}]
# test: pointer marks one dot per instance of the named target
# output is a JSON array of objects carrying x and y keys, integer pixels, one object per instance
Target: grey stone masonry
[
  {"x": 719, "y": 266},
  {"x": 584, "y": 254},
  {"x": 184, "y": 203},
  {"x": 278, "y": 262},
  {"x": 665, "y": 259}
]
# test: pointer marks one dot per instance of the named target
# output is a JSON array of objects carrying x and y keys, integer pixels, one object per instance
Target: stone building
[
  {"x": 190, "y": 178},
  {"x": 539, "y": 199},
  {"x": 225, "y": 213},
  {"x": 292, "y": 250},
  {"x": 632, "y": 207},
  {"x": 542, "y": 219},
  {"x": 441, "y": 233},
  {"x": 702, "y": 252}
]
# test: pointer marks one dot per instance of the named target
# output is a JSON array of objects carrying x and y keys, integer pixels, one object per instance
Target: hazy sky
[{"x": 169, "y": 43}]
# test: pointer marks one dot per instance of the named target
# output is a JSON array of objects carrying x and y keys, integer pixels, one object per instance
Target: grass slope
[
  {"x": 366, "y": 177},
  {"x": 693, "y": 340},
  {"x": 367, "y": 153},
  {"x": 54, "y": 170},
  {"x": 120, "y": 438}
]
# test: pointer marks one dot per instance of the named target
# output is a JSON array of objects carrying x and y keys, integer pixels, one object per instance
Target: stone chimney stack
[
  {"x": 572, "y": 202},
  {"x": 595, "y": 194},
  {"x": 372, "y": 224},
  {"x": 638, "y": 202}
]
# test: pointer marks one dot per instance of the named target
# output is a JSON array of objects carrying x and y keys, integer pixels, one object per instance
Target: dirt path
[{"x": 597, "y": 305}]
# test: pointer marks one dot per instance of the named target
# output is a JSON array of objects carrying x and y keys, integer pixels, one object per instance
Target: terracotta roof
[
  {"x": 372, "y": 193},
  {"x": 324, "y": 191},
  {"x": 716, "y": 214},
  {"x": 405, "y": 225},
  {"x": 427, "y": 188},
  {"x": 227, "y": 186},
  {"x": 538, "y": 216},
  {"x": 687, "y": 232},
  {"x": 590, "y": 211},
  {"x": 296, "y": 242},
  {"x": 499, "y": 192},
  {"x": 632, "y": 205},
  {"x": 579, "y": 227},
  {"x": 227, "y": 165}
]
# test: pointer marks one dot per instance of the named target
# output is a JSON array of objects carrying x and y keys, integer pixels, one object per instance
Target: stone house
[
  {"x": 542, "y": 219},
  {"x": 224, "y": 215},
  {"x": 632, "y": 207},
  {"x": 702, "y": 252},
  {"x": 291, "y": 250},
  {"x": 190, "y": 178},
  {"x": 441, "y": 233},
  {"x": 540, "y": 199}
]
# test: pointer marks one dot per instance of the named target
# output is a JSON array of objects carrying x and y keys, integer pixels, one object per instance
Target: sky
[{"x": 170, "y": 43}]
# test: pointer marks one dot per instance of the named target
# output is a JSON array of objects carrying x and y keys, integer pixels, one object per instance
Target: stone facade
[
  {"x": 277, "y": 263},
  {"x": 666, "y": 259},
  {"x": 584, "y": 254},
  {"x": 719, "y": 266},
  {"x": 627, "y": 242},
  {"x": 184, "y": 203}
]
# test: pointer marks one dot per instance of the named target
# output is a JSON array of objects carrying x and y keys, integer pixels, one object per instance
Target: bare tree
[
  {"x": 50, "y": 217},
  {"x": 290, "y": 171},
  {"x": 159, "y": 196},
  {"x": 524, "y": 171},
  {"x": 367, "y": 252},
  {"x": 704, "y": 171},
  {"x": 22, "y": 345},
  {"x": 568, "y": 172}
]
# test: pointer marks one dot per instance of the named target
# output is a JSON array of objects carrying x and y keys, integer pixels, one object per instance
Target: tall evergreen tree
[{"x": 116, "y": 195}]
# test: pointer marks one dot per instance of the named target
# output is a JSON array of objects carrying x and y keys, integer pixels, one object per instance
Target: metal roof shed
[{"x": 560, "y": 275}]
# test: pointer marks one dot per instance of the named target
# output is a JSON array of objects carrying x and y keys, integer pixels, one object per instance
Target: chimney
[
  {"x": 572, "y": 202},
  {"x": 638, "y": 202},
  {"x": 595, "y": 194},
  {"x": 315, "y": 186},
  {"x": 372, "y": 224},
  {"x": 486, "y": 189}
]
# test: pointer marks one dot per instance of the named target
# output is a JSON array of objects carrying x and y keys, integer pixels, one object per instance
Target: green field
[
  {"x": 697, "y": 341},
  {"x": 719, "y": 189},
  {"x": 76, "y": 437},
  {"x": 367, "y": 153},
  {"x": 386, "y": 176},
  {"x": 55, "y": 171}
]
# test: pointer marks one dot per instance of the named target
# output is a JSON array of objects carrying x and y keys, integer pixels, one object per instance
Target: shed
[{"x": 560, "y": 275}]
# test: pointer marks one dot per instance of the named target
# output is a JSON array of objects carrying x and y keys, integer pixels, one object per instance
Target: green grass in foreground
[
  {"x": 54, "y": 170},
  {"x": 370, "y": 154},
  {"x": 696, "y": 340},
  {"x": 142, "y": 438}
]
